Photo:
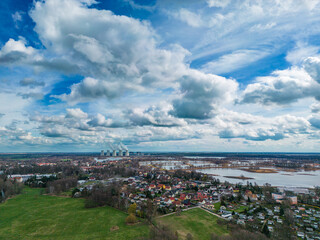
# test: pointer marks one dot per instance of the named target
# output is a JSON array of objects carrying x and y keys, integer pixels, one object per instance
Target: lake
[{"x": 288, "y": 179}]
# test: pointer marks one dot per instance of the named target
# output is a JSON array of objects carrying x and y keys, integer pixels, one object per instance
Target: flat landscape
[
  {"x": 195, "y": 221},
  {"x": 34, "y": 216}
]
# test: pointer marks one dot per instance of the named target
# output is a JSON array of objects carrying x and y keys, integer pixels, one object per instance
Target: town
[{"x": 127, "y": 182}]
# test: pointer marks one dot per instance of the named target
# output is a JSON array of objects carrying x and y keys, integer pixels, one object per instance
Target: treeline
[
  {"x": 101, "y": 195},
  {"x": 193, "y": 175},
  {"x": 9, "y": 188},
  {"x": 61, "y": 185},
  {"x": 114, "y": 170},
  {"x": 111, "y": 195},
  {"x": 65, "y": 168}
]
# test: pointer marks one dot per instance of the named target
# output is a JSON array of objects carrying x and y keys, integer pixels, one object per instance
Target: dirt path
[
  {"x": 213, "y": 213},
  {"x": 183, "y": 210}
]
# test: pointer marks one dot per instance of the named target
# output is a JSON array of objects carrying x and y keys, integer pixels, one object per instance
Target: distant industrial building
[{"x": 123, "y": 151}]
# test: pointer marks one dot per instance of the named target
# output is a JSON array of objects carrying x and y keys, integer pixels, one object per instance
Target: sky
[{"x": 160, "y": 75}]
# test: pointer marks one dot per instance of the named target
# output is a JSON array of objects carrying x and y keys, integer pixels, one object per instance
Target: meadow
[
  {"x": 35, "y": 216},
  {"x": 199, "y": 223}
]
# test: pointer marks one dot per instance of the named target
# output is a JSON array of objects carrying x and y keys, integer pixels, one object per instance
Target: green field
[
  {"x": 34, "y": 216},
  {"x": 195, "y": 221}
]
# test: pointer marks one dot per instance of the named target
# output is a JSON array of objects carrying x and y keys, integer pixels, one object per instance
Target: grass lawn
[
  {"x": 217, "y": 206},
  {"x": 241, "y": 209},
  {"x": 34, "y": 216},
  {"x": 195, "y": 221}
]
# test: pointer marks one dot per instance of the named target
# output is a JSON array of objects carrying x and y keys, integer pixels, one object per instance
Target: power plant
[{"x": 123, "y": 150}]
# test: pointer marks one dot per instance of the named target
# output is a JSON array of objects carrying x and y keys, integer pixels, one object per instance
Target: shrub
[{"x": 131, "y": 219}]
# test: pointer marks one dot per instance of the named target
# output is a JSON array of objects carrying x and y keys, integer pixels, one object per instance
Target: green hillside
[
  {"x": 195, "y": 221},
  {"x": 34, "y": 216}
]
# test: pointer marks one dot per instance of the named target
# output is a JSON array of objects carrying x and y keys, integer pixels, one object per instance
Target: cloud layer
[{"x": 194, "y": 75}]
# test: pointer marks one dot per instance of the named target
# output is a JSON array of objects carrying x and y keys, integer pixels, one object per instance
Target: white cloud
[
  {"x": 201, "y": 94},
  {"x": 218, "y": 3},
  {"x": 301, "y": 52},
  {"x": 76, "y": 113},
  {"x": 16, "y": 51},
  {"x": 315, "y": 108},
  {"x": 121, "y": 58},
  {"x": 117, "y": 53},
  {"x": 282, "y": 87},
  {"x": 190, "y": 18},
  {"x": 312, "y": 66},
  {"x": 233, "y": 61},
  {"x": 17, "y": 18}
]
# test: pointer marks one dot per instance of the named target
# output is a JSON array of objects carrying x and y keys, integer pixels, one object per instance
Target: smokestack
[
  {"x": 102, "y": 153},
  {"x": 108, "y": 153},
  {"x": 114, "y": 154},
  {"x": 127, "y": 153},
  {"x": 120, "y": 153}
]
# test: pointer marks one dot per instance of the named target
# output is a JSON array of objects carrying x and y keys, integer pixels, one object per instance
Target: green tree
[{"x": 132, "y": 208}]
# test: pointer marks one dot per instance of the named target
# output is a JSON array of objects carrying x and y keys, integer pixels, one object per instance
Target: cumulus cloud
[
  {"x": 312, "y": 66},
  {"x": 315, "y": 122},
  {"x": 200, "y": 93},
  {"x": 91, "y": 88},
  {"x": 257, "y": 135},
  {"x": 117, "y": 53},
  {"x": 315, "y": 108},
  {"x": 282, "y": 87},
  {"x": 165, "y": 134},
  {"x": 153, "y": 116},
  {"x": 55, "y": 132},
  {"x": 15, "y": 51},
  {"x": 76, "y": 113},
  {"x": 231, "y": 124},
  {"x": 47, "y": 119},
  {"x": 100, "y": 121},
  {"x": 119, "y": 56}
]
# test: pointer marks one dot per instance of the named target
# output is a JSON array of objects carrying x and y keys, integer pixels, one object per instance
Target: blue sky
[{"x": 211, "y": 75}]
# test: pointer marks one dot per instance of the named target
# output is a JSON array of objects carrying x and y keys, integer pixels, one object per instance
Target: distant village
[{"x": 268, "y": 209}]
